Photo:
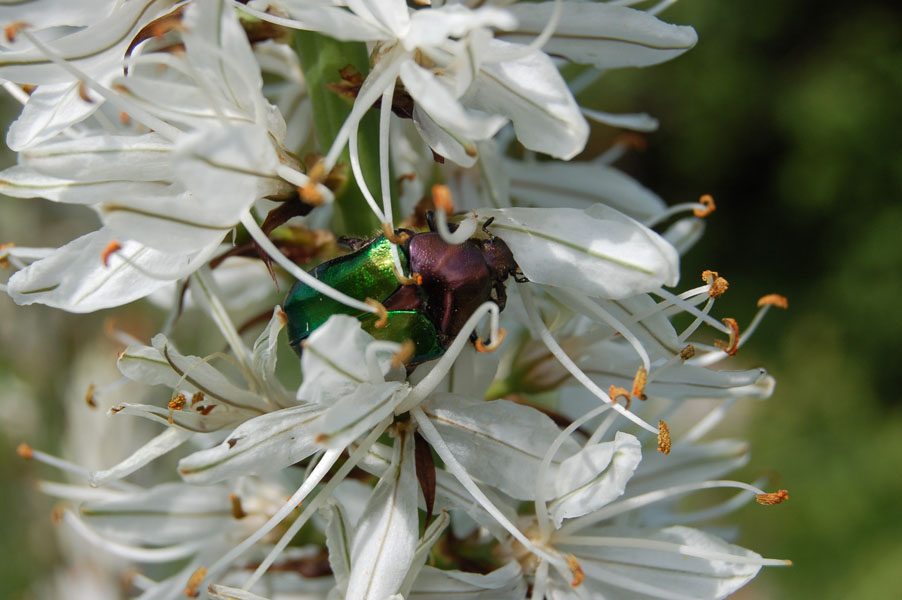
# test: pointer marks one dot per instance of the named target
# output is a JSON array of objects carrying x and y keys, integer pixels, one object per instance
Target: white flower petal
[
  {"x": 189, "y": 420},
  {"x": 385, "y": 540},
  {"x": 75, "y": 279},
  {"x": 498, "y": 441},
  {"x": 597, "y": 251},
  {"x": 333, "y": 21},
  {"x": 581, "y": 184},
  {"x": 434, "y": 26},
  {"x": 264, "y": 357},
  {"x": 338, "y": 541},
  {"x": 357, "y": 412},
  {"x": 266, "y": 443},
  {"x": 96, "y": 49},
  {"x": 604, "y": 36},
  {"x": 390, "y": 15},
  {"x": 530, "y": 91},
  {"x": 645, "y": 570},
  {"x": 594, "y": 476},
  {"x": 505, "y": 583},
  {"x": 168, "y": 440},
  {"x": 444, "y": 141},
  {"x": 685, "y": 464},
  {"x": 50, "y": 109},
  {"x": 163, "y": 515},
  {"x": 334, "y": 360}
]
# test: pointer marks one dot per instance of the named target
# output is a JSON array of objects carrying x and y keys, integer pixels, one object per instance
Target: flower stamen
[
  {"x": 772, "y": 498},
  {"x": 733, "y": 345},
  {"x": 664, "y": 443}
]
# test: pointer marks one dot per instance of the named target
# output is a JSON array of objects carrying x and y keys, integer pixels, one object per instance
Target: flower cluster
[{"x": 500, "y": 397}]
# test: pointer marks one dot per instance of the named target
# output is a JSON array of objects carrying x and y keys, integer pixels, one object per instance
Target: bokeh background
[{"x": 789, "y": 113}]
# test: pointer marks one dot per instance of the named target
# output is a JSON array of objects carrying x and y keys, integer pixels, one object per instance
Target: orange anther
[
  {"x": 733, "y": 345},
  {"x": 664, "y": 442},
  {"x": 632, "y": 140},
  {"x": 194, "y": 582},
  {"x": 124, "y": 117},
  {"x": 196, "y": 398},
  {"x": 113, "y": 246},
  {"x": 403, "y": 356},
  {"x": 89, "y": 397},
  {"x": 83, "y": 92},
  {"x": 639, "y": 382},
  {"x": 395, "y": 237},
  {"x": 441, "y": 199},
  {"x": 772, "y": 498},
  {"x": 13, "y": 29},
  {"x": 237, "y": 509},
  {"x": 178, "y": 403},
  {"x": 687, "y": 352},
  {"x": 24, "y": 451},
  {"x": 718, "y": 284},
  {"x": 480, "y": 347},
  {"x": 4, "y": 256},
  {"x": 618, "y": 392},
  {"x": 708, "y": 206},
  {"x": 381, "y": 311},
  {"x": 576, "y": 570},
  {"x": 773, "y": 300}
]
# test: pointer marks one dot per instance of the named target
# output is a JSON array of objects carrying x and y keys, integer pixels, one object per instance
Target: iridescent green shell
[
  {"x": 366, "y": 273},
  {"x": 407, "y": 325}
]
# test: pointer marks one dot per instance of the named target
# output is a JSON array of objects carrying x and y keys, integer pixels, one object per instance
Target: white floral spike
[
  {"x": 385, "y": 540},
  {"x": 598, "y": 251}
]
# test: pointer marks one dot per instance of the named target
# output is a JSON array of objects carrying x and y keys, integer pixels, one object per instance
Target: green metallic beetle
[{"x": 454, "y": 280}]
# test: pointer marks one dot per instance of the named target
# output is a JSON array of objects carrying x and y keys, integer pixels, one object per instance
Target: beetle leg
[
  {"x": 520, "y": 278},
  {"x": 500, "y": 294},
  {"x": 485, "y": 227},
  {"x": 353, "y": 243},
  {"x": 430, "y": 222}
]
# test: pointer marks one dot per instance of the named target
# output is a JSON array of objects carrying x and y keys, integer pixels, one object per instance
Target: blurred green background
[{"x": 788, "y": 113}]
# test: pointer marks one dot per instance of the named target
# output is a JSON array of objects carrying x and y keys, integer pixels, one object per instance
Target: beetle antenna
[{"x": 485, "y": 227}]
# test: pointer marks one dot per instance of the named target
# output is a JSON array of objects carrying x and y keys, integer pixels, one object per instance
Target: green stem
[{"x": 321, "y": 60}]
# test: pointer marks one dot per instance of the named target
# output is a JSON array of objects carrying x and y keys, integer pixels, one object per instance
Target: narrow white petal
[
  {"x": 164, "y": 442},
  {"x": 50, "y": 110},
  {"x": 498, "y": 441},
  {"x": 163, "y": 515},
  {"x": 604, "y": 36},
  {"x": 580, "y": 184},
  {"x": 264, "y": 357},
  {"x": 75, "y": 279},
  {"x": 444, "y": 141},
  {"x": 530, "y": 91},
  {"x": 594, "y": 476},
  {"x": 597, "y": 251},
  {"x": 357, "y": 412},
  {"x": 505, "y": 583},
  {"x": 385, "y": 541},
  {"x": 266, "y": 443}
]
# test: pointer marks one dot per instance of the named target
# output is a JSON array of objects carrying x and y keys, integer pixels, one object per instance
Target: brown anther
[
  {"x": 639, "y": 382},
  {"x": 4, "y": 256},
  {"x": 442, "y": 200},
  {"x": 309, "y": 192},
  {"x": 381, "y": 311},
  {"x": 708, "y": 205},
  {"x": 687, "y": 352},
  {"x": 113, "y": 246},
  {"x": 733, "y": 345},
  {"x": 616, "y": 393},
  {"x": 83, "y": 92},
  {"x": 194, "y": 582},
  {"x": 237, "y": 510},
  {"x": 12, "y": 30},
  {"x": 576, "y": 570},
  {"x": 486, "y": 349},
  {"x": 196, "y": 398},
  {"x": 718, "y": 284},
  {"x": 178, "y": 403},
  {"x": 124, "y": 117},
  {"x": 115, "y": 409},
  {"x": 28, "y": 88},
  {"x": 321, "y": 438},
  {"x": 773, "y": 300},
  {"x": 205, "y": 410},
  {"x": 403, "y": 356},
  {"x": 772, "y": 498},
  {"x": 632, "y": 140},
  {"x": 56, "y": 515},
  {"x": 471, "y": 150},
  {"x": 24, "y": 451},
  {"x": 664, "y": 442},
  {"x": 89, "y": 397},
  {"x": 403, "y": 178},
  {"x": 282, "y": 316},
  {"x": 392, "y": 236}
]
